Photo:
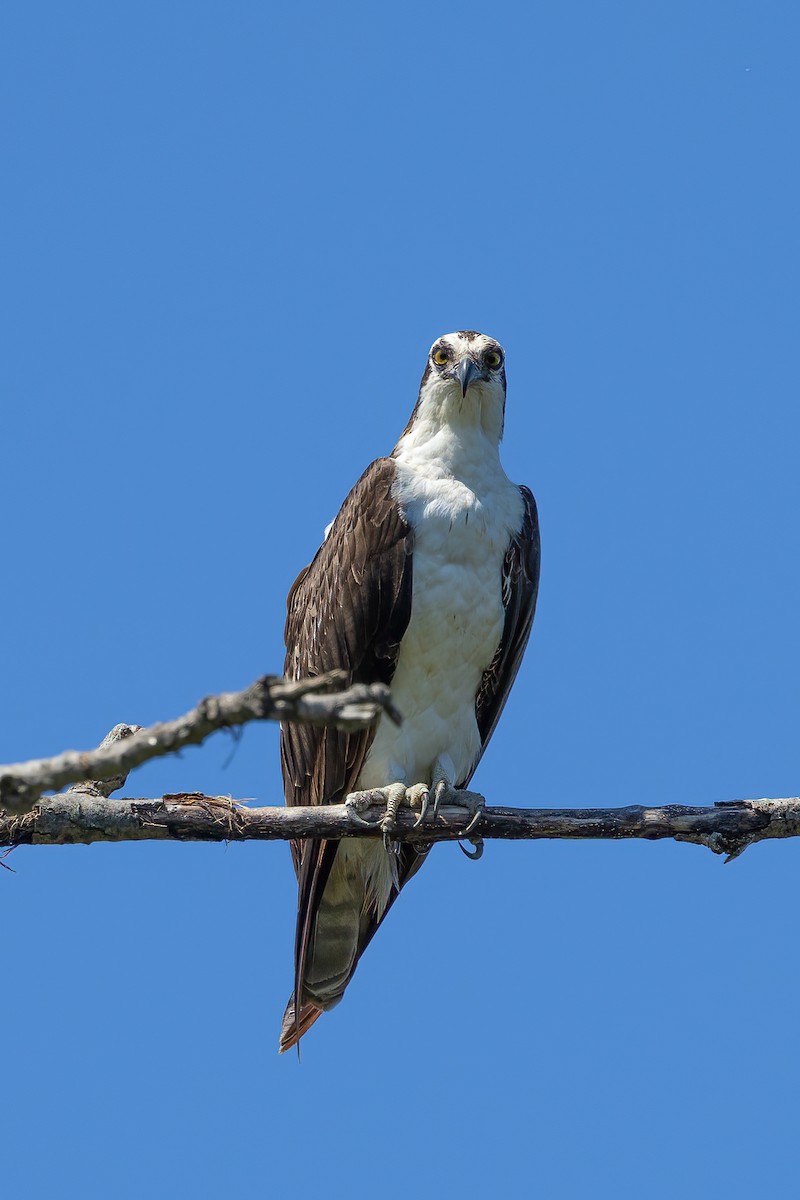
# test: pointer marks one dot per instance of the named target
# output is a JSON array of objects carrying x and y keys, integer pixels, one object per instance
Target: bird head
[{"x": 464, "y": 382}]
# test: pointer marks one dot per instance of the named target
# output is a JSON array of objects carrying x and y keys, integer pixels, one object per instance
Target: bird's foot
[
  {"x": 445, "y": 794},
  {"x": 391, "y": 797},
  {"x": 418, "y": 796}
]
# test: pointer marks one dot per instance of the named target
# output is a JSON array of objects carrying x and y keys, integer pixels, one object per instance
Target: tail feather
[
  {"x": 333, "y": 933},
  {"x": 293, "y": 1028}
]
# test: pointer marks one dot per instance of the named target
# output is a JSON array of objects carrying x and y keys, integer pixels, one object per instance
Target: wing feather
[
  {"x": 520, "y": 586},
  {"x": 348, "y": 609}
]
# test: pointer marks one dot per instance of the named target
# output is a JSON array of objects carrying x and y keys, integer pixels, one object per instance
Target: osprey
[{"x": 426, "y": 581}]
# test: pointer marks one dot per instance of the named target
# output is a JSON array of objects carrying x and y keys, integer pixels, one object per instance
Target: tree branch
[
  {"x": 271, "y": 698},
  {"x": 727, "y": 828},
  {"x": 85, "y": 814}
]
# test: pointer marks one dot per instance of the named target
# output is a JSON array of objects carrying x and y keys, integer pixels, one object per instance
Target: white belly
[
  {"x": 460, "y": 537},
  {"x": 463, "y": 510}
]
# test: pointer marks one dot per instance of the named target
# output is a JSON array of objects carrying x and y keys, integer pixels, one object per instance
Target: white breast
[{"x": 463, "y": 510}]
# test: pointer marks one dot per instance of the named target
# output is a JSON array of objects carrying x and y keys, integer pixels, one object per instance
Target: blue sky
[{"x": 230, "y": 235}]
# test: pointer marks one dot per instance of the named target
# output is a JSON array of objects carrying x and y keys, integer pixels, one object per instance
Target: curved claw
[
  {"x": 355, "y": 815},
  {"x": 475, "y": 819},
  {"x": 387, "y": 826},
  {"x": 438, "y": 793},
  {"x": 424, "y": 806},
  {"x": 475, "y": 854},
  {"x": 357, "y": 819}
]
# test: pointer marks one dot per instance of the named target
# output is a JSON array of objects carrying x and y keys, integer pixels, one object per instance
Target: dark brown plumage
[
  {"x": 520, "y": 589},
  {"x": 352, "y": 619}
]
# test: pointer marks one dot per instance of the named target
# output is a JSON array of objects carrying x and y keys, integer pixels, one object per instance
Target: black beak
[{"x": 465, "y": 372}]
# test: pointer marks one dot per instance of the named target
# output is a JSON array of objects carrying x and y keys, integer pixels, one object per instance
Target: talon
[
  {"x": 425, "y": 801},
  {"x": 353, "y": 803},
  {"x": 357, "y": 819},
  {"x": 438, "y": 795},
  {"x": 475, "y": 854},
  {"x": 475, "y": 819}
]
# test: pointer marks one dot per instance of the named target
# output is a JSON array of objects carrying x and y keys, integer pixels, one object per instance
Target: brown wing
[
  {"x": 520, "y": 587},
  {"x": 349, "y": 609}
]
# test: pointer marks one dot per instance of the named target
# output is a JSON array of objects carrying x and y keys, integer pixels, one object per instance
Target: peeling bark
[{"x": 78, "y": 817}]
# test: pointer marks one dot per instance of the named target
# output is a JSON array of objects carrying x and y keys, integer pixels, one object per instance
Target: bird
[{"x": 426, "y": 581}]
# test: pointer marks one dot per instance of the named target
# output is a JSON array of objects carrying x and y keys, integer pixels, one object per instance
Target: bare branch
[
  {"x": 105, "y": 787},
  {"x": 726, "y": 828},
  {"x": 85, "y": 813},
  {"x": 271, "y": 698}
]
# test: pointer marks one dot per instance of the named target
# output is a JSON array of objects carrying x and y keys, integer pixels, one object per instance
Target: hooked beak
[{"x": 465, "y": 371}]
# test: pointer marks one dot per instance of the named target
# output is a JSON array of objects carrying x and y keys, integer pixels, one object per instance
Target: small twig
[
  {"x": 74, "y": 817},
  {"x": 106, "y": 787},
  {"x": 271, "y": 698}
]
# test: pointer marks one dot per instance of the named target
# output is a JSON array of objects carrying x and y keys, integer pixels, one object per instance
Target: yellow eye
[
  {"x": 493, "y": 359},
  {"x": 440, "y": 357}
]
